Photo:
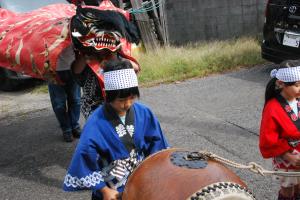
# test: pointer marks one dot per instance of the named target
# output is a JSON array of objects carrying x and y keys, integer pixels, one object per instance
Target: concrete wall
[{"x": 196, "y": 20}]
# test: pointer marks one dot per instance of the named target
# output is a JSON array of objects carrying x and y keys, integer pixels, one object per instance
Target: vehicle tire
[{"x": 6, "y": 83}]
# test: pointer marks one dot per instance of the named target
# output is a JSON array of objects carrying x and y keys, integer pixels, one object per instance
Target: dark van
[{"x": 281, "y": 33}]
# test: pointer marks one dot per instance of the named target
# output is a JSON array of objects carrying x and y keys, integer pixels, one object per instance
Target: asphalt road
[{"x": 220, "y": 113}]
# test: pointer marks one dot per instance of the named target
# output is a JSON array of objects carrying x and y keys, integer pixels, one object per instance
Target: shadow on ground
[
  {"x": 255, "y": 74},
  {"x": 34, "y": 150}
]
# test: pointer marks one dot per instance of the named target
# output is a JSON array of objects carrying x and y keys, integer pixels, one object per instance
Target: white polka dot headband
[
  {"x": 290, "y": 74},
  {"x": 120, "y": 79}
]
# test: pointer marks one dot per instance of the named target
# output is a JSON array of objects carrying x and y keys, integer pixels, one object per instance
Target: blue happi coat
[{"x": 101, "y": 159}]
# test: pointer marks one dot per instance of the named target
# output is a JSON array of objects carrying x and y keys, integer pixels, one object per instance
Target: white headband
[
  {"x": 290, "y": 74},
  {"x": 120, "y": 79}
]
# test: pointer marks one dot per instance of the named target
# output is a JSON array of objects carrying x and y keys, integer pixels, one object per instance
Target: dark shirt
[{"x": 91, "y": 91}]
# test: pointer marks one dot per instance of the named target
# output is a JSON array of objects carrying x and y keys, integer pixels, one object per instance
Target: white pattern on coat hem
[{"x": 84, "y": 182}]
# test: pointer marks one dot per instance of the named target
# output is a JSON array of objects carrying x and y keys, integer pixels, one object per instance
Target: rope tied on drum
[{"x": 251, "y": 166}]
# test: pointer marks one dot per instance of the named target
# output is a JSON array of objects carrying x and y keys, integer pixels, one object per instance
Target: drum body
[{"x": 158, "y": 178}]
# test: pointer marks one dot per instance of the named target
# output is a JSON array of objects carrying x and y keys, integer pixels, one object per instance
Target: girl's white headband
[
  {"x": 120, "y": 79},
  {"x": 290, "y": 74}
]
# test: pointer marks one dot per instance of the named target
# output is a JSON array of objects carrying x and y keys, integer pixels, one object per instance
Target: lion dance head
[{"x": 99, "y": 32}]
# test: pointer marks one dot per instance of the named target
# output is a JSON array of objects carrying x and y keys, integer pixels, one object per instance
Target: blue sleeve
[
  {"x": 84, "y": 171},
  {"x": 154, "y": 136}
]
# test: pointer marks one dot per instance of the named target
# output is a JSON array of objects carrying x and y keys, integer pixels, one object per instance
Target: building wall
[{"x": 196, "y": 20}]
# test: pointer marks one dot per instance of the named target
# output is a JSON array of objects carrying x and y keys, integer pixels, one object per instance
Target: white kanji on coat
[
  {"x": 120, "y": 129},
  {"x": 130, "y": 129}
]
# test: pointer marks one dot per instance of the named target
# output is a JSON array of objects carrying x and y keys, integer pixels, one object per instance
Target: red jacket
[{"x": 276, "y": 128}]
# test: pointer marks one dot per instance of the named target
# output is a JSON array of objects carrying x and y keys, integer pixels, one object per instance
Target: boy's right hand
[
  {"x": 110, "y": 194},
  {"x": 293, "y": 158}
]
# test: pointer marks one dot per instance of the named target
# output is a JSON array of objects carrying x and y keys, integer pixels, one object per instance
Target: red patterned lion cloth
[
  {"x": 36, "y": 42},
  {"x": 32, "y": 42}
]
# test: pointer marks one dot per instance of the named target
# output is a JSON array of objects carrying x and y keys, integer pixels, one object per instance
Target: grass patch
[
  {"x": 171, "y": 64},
  {"x": 41, "y": 89}
]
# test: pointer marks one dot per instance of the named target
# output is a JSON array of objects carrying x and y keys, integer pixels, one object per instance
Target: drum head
[{"x": 222, "y": 191}]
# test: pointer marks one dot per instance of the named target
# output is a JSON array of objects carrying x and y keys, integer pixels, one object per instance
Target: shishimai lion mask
[{"x": 95, "y": 31}]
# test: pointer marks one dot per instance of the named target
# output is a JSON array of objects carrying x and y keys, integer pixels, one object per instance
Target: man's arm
[{"x": 78, "y": 65}]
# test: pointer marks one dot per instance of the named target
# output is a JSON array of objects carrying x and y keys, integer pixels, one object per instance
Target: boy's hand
[
  {"x": 293, "y": 158},
  {"x": 135, "y": 66},
  {"x": 110, "y": 194}
]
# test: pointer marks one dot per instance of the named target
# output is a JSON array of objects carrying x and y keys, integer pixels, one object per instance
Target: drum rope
[{"x": 252, "y": 166}]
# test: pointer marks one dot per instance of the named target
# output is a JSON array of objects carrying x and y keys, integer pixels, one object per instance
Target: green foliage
[{"x": 170, "y": 64}]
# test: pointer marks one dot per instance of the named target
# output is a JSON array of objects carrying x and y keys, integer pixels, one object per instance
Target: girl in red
[{"x": 280, "y": 127}]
